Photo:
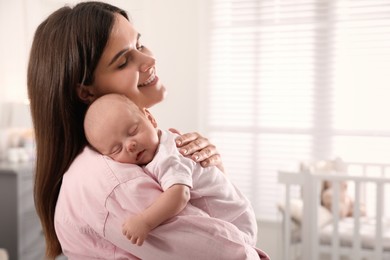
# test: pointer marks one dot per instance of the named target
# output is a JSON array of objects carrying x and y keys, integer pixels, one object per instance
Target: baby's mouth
[{"x": 139, "y": 155}]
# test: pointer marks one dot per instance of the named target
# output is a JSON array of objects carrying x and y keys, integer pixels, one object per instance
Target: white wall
[
  {"x": 171, "y": 31},
  {"x": 169, "y": 28},
  {"x": 13, "y": 50}
]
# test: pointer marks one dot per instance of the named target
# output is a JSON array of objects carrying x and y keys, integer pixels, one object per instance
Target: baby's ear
[{"x": 150, "y": 117}]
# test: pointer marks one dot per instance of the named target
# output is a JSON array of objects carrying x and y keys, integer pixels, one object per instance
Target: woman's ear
[
  {"x": 150, "y": 118},
  {"x": 85, "y": 93}
]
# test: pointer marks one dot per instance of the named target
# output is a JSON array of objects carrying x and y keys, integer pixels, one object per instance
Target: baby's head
[{"x": 118, "y": 128}]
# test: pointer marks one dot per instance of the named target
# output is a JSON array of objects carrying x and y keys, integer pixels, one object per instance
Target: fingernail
[
  {"x": 184, "y": 151},
  {"x": 196, "y": 157},
  {"x": 178, "y": 142}
]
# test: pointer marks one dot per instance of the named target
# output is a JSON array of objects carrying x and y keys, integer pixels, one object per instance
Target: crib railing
[{"x": 359, "y": 176}]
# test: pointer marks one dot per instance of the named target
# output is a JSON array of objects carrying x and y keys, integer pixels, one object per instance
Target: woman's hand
[{"x": 198, "y": 148}]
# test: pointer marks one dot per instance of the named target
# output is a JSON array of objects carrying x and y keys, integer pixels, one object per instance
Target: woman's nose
[{"x": 147, "y": 62}]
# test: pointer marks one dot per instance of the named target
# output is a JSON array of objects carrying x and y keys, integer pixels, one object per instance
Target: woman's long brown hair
[{"x": 65, "y": 51}]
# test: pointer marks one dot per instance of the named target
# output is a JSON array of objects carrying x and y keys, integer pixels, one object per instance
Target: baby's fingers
[
  {"x": 140, "y": 241},
  {"x": 133, "y": 239}
]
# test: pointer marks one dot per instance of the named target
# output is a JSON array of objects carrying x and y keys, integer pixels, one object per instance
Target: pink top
[{"x": 98, "y": 194}]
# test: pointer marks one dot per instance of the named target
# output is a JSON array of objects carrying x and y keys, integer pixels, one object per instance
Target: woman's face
[{"x": 127, "y": 67}]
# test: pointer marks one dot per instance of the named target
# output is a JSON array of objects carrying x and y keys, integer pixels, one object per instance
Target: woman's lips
[{"x": 150, "y": 82}]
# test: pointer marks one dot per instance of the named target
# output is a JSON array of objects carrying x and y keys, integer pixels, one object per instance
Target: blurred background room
[{"x": 273, "y": 83}]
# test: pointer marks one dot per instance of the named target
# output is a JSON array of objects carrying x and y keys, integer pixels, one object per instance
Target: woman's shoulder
[
  {"x": 92, "y": 179},
  {"x": 89, "y": 164}
]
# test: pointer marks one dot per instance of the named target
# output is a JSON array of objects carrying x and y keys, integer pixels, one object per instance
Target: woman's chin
[
  {"x": 164, "y": 93},
  {"x": 158, "y": 97}
]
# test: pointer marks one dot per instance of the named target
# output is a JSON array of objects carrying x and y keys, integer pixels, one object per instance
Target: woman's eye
[{"x": 123, "y": 64}]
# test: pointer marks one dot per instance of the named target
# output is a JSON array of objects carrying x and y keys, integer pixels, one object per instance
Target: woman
[{"x": 82, "y": 198}]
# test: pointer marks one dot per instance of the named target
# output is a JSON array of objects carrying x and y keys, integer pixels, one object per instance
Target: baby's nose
[{"x": 131, "y": 146}]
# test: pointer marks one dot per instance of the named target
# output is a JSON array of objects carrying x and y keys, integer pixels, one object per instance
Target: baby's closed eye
[{"x": 115, "y": 150}]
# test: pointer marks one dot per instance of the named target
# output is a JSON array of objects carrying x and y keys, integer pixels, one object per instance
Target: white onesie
[{"x": 211, "y": 190}]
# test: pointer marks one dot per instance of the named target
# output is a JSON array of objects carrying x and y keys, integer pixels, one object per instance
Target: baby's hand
[{"x": 136, "y": 230}]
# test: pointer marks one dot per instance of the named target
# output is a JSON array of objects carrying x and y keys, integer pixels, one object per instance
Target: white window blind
[{"x": 288, "y": 81}]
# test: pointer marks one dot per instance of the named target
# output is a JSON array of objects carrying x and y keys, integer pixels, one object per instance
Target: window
[{"x": 288, "y": 81}]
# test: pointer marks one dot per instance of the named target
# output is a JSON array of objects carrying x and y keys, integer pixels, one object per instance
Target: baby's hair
[
  {"x": 94, "y": 113},
  {"x": 108, "y": 98}
]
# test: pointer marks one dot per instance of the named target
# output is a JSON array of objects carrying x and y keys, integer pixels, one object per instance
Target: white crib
[{"x": 348, "y": 238}]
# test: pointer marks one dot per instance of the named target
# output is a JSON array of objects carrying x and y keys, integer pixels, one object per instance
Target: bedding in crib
[
  {"x": 367, "y": 233},
  {"x": 345, "y": 227}
]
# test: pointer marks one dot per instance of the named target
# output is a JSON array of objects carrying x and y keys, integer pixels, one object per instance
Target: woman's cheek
[{"x": 129, "y": 83}]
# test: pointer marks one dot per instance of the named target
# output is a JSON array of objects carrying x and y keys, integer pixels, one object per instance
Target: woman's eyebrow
[{"x": 120, "y": 53}]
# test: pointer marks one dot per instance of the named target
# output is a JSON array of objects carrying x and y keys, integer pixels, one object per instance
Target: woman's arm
[
  {"x": 189, "y": 235},
  {"x": 168, "y": 204},
  {"x": 198, "y": 148},
  {"x": 192, "y": 234}
]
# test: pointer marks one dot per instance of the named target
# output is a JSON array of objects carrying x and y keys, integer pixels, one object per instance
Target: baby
[{"x": 119, "y": 129}]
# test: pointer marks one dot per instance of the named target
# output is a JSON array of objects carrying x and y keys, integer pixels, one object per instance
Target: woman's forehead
[{"x": 123, "y": 36}]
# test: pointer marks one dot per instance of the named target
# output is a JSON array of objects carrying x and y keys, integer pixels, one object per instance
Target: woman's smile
[{"x": 152, "y": 80}]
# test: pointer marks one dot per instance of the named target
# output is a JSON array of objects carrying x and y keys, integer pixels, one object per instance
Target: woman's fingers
[
  {"x": 200, "y": 149},
  {"x": 205, "y": 154},
  {"x": 214, "y": 160},
  {"x": 207, "y": 158},
  {"x": 175, "y": 131},
  {"x": 191, "y": 142},
  {"x": 184, "y": 139}
]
